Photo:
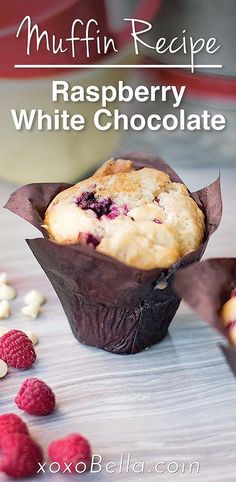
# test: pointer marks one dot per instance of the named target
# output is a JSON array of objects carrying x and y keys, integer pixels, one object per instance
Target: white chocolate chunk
[
  {"x": 32, "y": 336},
  {"x": 3, "y": 330},
  {"x": 7, "y": 292},
  {"x": 3, "y": 279},
  {"x": 32, "y": 310},
  {"x": 4, "y": 309},
  {"x": 34, "y": 297},
  {"x": 147, "y": 212},
  {"x": 162, "y": 285},
  {"x": 3, "y": 369}
]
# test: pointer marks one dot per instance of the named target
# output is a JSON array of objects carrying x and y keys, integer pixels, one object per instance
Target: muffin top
[{"x": 139, "y": 217}]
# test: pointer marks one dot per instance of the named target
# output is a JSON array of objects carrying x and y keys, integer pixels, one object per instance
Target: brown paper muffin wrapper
[
  {"x": 110, "y": 305},
  {"x": 206, "y": 286}
]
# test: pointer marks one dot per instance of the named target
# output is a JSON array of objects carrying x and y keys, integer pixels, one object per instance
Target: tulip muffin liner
[
  {"x": 206, "y": 286},
  {"x": 108, "y": 304}
]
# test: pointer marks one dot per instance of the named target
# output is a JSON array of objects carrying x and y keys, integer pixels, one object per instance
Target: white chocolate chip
[
  {"x": 34, "y": 297},
  {"x": 3, "y": 279},
  {"x": 3, "y": 369},
  {"x": 32, "y": 310},
  {"x": 32, "y": 336},
  {"x": 4, "y": 309},
  {"x": 162, "y": 285},
  {"x": 3, "y": 330},
  {"x": 7, "y": 292}
]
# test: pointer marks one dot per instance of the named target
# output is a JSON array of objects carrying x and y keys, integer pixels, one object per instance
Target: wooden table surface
[{"x": 175, "y": 402}]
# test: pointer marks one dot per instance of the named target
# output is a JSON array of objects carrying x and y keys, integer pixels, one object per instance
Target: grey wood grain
[{"x": 172, "y": 403}]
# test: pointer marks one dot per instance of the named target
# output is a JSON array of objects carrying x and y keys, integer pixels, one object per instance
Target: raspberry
[
  {"x": 73, "y": 449},
  {"x": 35, "y": 397},
  {"x": 87, "y": 200},
  {"x": 116, "y": 211},
  {"x": 17, "y": 349},
  {"x": 20, "y": 455},
  {"x": 89, "y": 239},
  {"x": 11, "y": 423}
]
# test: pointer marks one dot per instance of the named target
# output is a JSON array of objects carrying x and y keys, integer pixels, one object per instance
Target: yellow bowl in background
[{"x": 39, "y": 156}]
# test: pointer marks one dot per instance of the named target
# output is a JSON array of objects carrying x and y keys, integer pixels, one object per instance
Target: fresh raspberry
[
  {"x": 20, "y": 455},
  {"x": 73, "y": 449},
  {"x": 17, "y": 349},
  {"x": 35, "y": 397},
  {"x": 11, "y": 423}
]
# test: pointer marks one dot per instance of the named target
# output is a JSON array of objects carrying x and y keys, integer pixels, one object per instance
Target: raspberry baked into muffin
[{"x": 139, "y": 217}]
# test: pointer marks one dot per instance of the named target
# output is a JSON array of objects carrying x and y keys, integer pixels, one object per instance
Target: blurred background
[
  {"x": 68, "y": 156},
  {"x": 188, "y": 367}
]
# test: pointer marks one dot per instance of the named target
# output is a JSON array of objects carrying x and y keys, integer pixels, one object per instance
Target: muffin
[
  {"x": 209, "y": 288},
  {"x": 112, "y": 243},
  {"x": 140, "y": 217},
  {"x": 228, "y": 316}
]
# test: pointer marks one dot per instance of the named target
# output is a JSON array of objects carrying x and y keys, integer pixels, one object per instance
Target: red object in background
[
  {"x": 56, "y": 17},
  {"x": 197, "y": 85}
]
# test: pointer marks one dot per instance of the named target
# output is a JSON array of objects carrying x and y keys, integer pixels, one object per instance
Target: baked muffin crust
[{"x": 139, "y": 217}]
